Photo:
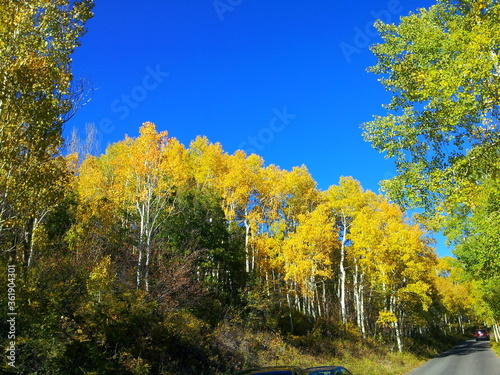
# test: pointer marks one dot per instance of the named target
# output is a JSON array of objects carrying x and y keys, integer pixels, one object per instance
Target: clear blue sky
[{"x": 284, "y": 79}]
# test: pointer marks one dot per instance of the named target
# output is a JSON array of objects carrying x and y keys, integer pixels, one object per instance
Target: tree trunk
[
  {"x": 343, "y": 310},
  {"x": 399, "y": 336},
  {"x": 362, "y": 307},
  {"x": 289, "y": 301},
  {"x": 398, "y": 325},
  {"x": 27, "y": 241},
  {"x": 358, "y": 298},
  {"x": 247, "y": 246},
  {"x": 496, "y": 332},
  {"x": 146, "y": 266},
  {"x": 141, "y": 249}
]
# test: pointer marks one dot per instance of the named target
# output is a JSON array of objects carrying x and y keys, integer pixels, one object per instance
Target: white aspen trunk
[
  {"x": 297, "y": 303},
  {"x": 139, "y": 265},
  {"x": 362, "y": 308},
  {"x": 399, "y": 338},
  {"x": 268, "y": 284},
  {"x": 318, "y": 303},
  {"x": 30, "y": 236},
  {"x": 148, "y": 257},
  {"x": 312, "y": 291},
  {"x": 343, "y": 274},
  {"x": 496, "y": 332},
  {"x": 398, "y": 325},
  {"x": 149, "y": 224},
  {"x": 461, "y": 324},
  {"x": 141, "y": 246},
  {"x": 313, "y": 307},
  {"x": 252, "y": 252},
  {"x": 289, "y": 301},
  {"x": 247, "y": 250},
  {"x": 32, "y": 241},
  {"x": 356, "y": 297},
  {"x": 324, "y": 297}
]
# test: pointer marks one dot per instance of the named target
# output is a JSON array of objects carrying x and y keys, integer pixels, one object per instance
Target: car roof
[
  {"x": 324, "y": 368},
  {"x": 276, "y": 370}
]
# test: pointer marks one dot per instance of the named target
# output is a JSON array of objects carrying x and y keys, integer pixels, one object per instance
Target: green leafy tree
[
  {"x": 37, "y": 39},
  {"x": 476, "y": 234},
  {"x": 442, "y": 66},
  {"x": 200, "y": 229}
]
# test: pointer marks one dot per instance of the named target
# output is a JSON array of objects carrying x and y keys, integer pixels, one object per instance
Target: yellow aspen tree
[
  {"x": 134, "y": 175},
  {"x": 357, "y": 255},
  {"x": 142, "y": 187},
  {"x": 100, "y": 279},
  {"x": 97, "y": 217},
  {"x": 236, "y": 178},
  {"x": 273, "y": 195},
  {"x": 306, "y": 255},
  {"x": 456, "y": 295},
  {"x": 398, "y": 261},
  {"x": 302, "y": 194},
  {"x": 240, "y": 187},
  {"x": 208, "y": 162},
  {"x": 345, "y": 201},
  {"x": 282, "y": 196},
  {"x": 175, "y": 163}
]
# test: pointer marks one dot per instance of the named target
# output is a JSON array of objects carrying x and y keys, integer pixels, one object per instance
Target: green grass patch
[
  {"x": 495, "y": 346},
  {"x": 358, "y": 355}
]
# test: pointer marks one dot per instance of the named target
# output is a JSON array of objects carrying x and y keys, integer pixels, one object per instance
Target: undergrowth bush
[{"x": 325, "y": 344}]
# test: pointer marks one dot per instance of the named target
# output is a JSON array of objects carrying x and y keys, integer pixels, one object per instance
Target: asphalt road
[{"x": 469, "y": 357}]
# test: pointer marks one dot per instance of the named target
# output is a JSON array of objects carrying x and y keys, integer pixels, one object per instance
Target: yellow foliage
[
  {"x": 386, "y": 318},
  {"x": 101, "y": 277},
  {"x": 307, "y": 254}
]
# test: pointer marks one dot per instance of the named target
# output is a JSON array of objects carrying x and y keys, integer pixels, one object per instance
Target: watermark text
[
  {"x": 223, "y": 6},
  {"x": 11, "y": 315},
  {"x": 363, "y": 36},
  {"x": 280, "y": 120}
]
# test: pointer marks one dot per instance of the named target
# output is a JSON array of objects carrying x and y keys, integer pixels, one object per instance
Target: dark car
[
  {"x": 327, "y": 370},
  {"x": 283, "y": 370},
  {"x": 481, "y": 334}
]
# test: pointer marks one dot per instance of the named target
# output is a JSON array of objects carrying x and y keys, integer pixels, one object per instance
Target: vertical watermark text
[{"x": 11, "y": 315}]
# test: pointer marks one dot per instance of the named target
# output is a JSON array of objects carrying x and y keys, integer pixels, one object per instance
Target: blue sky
[{"x": 284, "y": 79}]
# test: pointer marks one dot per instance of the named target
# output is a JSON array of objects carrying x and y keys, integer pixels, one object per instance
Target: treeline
[
  {"x": 150, "y": 247},
  {"x": 345, "y": 253}
]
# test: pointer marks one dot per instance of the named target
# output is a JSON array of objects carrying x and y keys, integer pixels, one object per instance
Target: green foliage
[
  {"x": 441, "y": 65},
  {"x": 37, "y": 40},
  {"x": 476, "y": 234},
  {"x": 200, "y": 226}
]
